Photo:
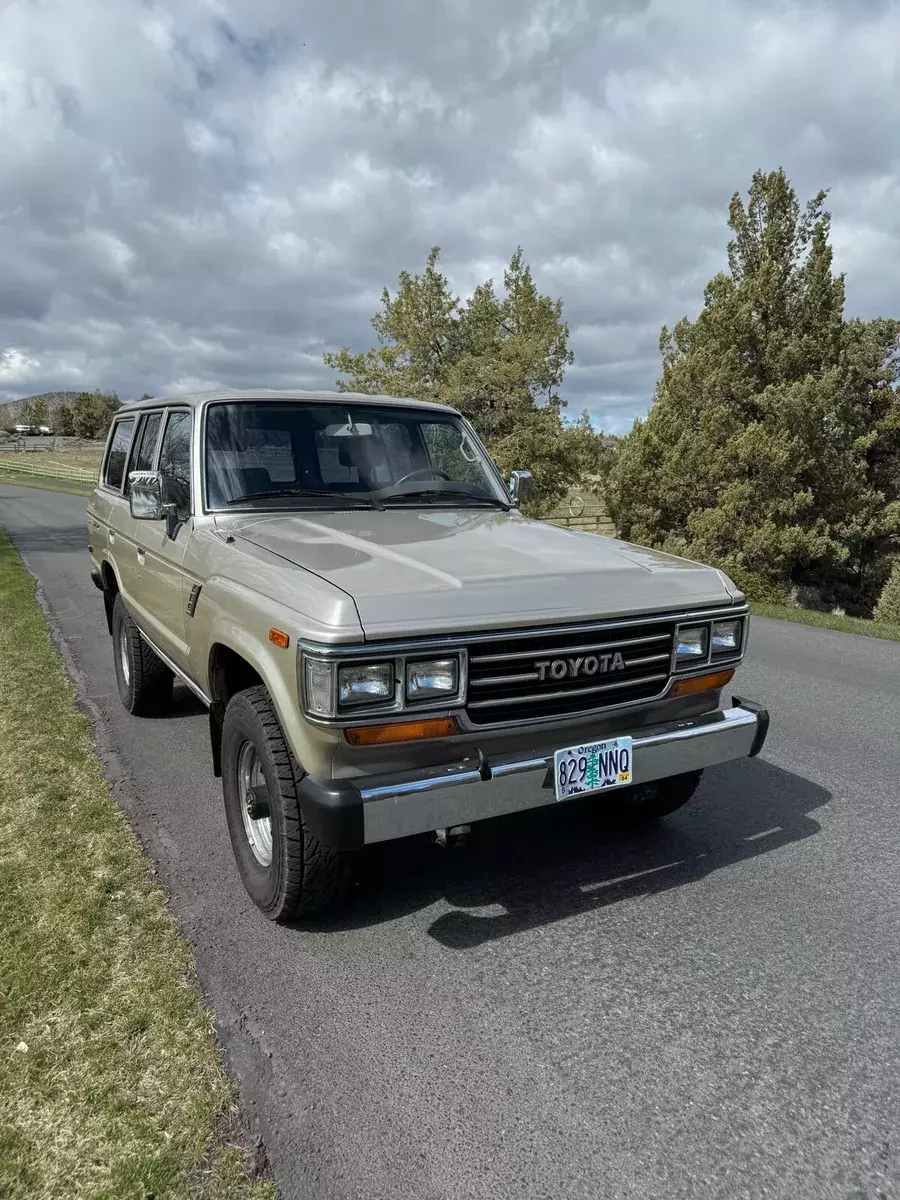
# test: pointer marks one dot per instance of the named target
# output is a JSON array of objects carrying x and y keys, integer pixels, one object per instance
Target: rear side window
[{"x": 118, "y": 453}]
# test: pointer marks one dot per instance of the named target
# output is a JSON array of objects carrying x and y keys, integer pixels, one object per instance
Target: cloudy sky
[{"x": 200, "y": 192}]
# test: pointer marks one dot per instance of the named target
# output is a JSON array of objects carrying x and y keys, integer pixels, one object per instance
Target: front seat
[{"x": 366, "y": 453}]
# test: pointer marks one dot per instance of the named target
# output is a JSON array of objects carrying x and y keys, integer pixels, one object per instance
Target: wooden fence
[
  {"x": 587, "y": 513},
  {"x": 23, "y": 464}
]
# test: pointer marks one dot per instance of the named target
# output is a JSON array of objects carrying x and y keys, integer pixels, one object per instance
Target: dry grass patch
[
  {"x": 110, "y": 1079},
  {"x": 86, "y": 460}
]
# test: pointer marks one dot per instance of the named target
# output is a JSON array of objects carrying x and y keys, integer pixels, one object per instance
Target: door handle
[{"x": 141, "y": 556}]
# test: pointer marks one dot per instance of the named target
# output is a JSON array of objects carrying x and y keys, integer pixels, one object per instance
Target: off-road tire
[
  {"x": 146, "y": 685},
  {"x": 650, "y": 801},
  {"x": 304, "y": 874}
]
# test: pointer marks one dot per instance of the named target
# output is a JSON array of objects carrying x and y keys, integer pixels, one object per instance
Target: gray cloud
[{"x": 216, "y": 191}]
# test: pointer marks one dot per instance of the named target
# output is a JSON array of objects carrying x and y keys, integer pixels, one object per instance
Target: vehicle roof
[{"x": 192, "y": 399}]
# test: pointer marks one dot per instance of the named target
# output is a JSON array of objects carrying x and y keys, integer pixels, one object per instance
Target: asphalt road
[{"x": 561, "y": 1010}]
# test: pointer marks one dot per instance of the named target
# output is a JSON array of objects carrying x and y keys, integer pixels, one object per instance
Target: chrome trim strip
[
  {"x": 646, "y": 660},
  {"x": 177, "y": 671},
  {"x": 496, "y": 680},
  {"x": 561, "y": 651},
  {"x": 584, "y": 691},
  {"x": 415, "y": 787},
  {"x": 501, "y": 770},
  {"x": 533, "y": 676}
]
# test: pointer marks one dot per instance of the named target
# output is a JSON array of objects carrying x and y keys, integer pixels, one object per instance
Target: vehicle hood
[{"x": 438, "y": 571}]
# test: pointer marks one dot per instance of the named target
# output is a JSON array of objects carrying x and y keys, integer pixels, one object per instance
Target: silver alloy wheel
[
  {"x": 257, "y": 829},
  {"x": 123, "y": 654}
]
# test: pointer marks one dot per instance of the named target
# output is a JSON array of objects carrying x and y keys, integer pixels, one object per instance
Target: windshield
[{"x": 287, "y": 454}]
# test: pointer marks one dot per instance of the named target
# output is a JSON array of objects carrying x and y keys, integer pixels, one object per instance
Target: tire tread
[
  {"x": 151, "y": 680},
  {"x": 313, "y": 875}
]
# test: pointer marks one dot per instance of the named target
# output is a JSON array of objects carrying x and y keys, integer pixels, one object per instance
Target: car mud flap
[
  {"x": 215, "y": 741},
  {"x": 109, "y": 600}
]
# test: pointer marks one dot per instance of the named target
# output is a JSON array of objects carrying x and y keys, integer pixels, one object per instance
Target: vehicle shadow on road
[
  {"x": 184, "y": 704},
  {"x": 539, "y": 867}
]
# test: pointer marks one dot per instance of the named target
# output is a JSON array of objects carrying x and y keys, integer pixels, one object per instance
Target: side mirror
[
  {"x": 521, "y": 487},
  {"x": 145, "y": 495}
]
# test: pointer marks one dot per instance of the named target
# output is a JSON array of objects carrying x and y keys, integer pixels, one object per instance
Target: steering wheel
[{"x": 423, "y": 472}]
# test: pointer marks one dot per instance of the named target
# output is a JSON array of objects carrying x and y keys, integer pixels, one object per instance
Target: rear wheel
[
  {"x": 650, "y": 801},
  {"x": 285, "y": 869},
  {"x": 145, "y": 682}
]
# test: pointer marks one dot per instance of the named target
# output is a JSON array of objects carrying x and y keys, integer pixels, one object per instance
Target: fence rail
[
  {"x": 14, "y": 464},
  {"x": 584, "y": 512},
  {"x": 599, "y": 524}
]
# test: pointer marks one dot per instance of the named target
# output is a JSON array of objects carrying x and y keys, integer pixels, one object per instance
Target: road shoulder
[{"x": 110, "y": 1079}]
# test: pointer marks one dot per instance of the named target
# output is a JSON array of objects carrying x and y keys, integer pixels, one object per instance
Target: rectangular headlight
[
  {"x": 691, "y": 644},
  {"x": 433, "y": 679},
  {"x": 726, "y": 637},
  {"x": 367, "y": 683}
]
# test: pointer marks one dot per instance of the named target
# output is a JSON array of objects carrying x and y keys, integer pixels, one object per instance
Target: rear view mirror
[
  {"x": 521, "y": 487},
  {"x": 356, "y": 429},
  {"x": 145, "y": 495}
]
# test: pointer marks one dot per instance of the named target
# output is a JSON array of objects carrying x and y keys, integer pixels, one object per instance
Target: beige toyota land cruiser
[{"x": 385, "y": 644}]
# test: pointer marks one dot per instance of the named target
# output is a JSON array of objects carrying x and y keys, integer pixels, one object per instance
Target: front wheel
[
  {"x": 285, "y": 869},
  {"x": 650, "y": 801}
]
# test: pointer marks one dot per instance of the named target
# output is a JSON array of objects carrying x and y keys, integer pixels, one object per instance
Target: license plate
[{"x": 592, "y": 767}]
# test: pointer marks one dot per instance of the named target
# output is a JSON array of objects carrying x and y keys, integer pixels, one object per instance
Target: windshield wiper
[
  {"x": 451, "y": 497},
  {"x": 341, "y": 497}
]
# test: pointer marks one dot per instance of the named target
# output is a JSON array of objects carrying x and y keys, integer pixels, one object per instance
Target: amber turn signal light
[
  {"x": 400, "y": 731},
  {"x": 278, "y": 638},
  {"x": 701, "y": 683}
]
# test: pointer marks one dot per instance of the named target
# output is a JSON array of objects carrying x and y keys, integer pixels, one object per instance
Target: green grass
[
  {"x": 110, "y": 1079},
  {"x": 46, "y": 484},
  {"x": 806, "y": 616}
]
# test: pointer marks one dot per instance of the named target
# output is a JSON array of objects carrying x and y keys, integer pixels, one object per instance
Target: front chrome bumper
[{"x": 377, "y": 809}]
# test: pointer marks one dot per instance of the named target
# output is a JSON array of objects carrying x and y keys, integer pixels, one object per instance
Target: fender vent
[{"x": 192, "y": 599}]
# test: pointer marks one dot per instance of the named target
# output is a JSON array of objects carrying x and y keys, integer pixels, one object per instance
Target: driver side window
[{"x": 175, "y": 463}]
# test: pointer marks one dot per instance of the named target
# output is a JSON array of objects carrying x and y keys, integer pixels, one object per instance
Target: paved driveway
[{"x": 710, "y": 1009}]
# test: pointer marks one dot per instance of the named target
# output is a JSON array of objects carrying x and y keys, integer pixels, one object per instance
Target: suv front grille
[{"x": 523, "y": 677}]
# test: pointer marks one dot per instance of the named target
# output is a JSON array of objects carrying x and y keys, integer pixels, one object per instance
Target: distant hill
[{"x": 11, "y": 412}]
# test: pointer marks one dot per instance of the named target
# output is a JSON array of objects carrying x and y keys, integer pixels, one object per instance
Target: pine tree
[
  {"x": 499, "y": 359},
  {"x": 592, "y": 773},
  {"x": 888, "y": 609},
  {"x": 773, "y": 446}
]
